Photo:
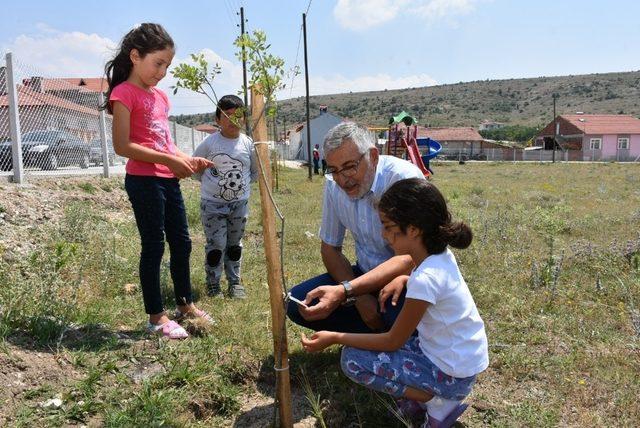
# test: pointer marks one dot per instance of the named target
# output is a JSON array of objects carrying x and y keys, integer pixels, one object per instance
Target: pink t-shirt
[{"x": 149, "y": 125}]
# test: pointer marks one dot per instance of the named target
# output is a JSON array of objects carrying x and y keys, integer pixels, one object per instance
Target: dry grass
[{"x": 554, "y": 270}]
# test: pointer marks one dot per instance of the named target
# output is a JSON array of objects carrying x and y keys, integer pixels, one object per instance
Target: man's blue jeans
[{"x": 343, "y": 319}]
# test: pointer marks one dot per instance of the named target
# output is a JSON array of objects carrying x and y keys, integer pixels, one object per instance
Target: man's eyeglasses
[{"x": 348, "y": 170}]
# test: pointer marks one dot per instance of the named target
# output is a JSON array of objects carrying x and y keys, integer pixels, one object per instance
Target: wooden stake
[{"x": 274, "y": 268}]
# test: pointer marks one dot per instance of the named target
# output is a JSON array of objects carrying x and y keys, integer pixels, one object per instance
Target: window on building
[
  {"x": 623, "y": 143},
  {"x": 595, "y": 144}
]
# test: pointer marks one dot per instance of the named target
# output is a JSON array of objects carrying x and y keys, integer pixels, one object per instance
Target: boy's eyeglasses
[{"x": 347, "y": 171}]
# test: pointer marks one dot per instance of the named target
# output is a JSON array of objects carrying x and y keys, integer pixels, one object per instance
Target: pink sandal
[{"x": 170, "y": 330}]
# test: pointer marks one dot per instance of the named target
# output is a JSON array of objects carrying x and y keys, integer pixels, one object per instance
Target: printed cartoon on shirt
[
  {"x": 159, "y": 128},
  {"x": 229, "y": 173}
]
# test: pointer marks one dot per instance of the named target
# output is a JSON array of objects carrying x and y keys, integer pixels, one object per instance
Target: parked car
[
  {"x": 95, "y": 152},
  {"x": 48, "y": 149},
  {"x": 6, "y": 163}
]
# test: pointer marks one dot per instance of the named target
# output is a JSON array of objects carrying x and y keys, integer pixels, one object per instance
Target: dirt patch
[
  {"x": 257, "y": 411},
  {"x": 25, "y": 209},
  {"x": 31, "y": 374}
]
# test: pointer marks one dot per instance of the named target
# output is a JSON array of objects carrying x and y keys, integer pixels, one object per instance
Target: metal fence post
[
  {"x": 193, "y": 140},
  {"x": 103, "y": 139},
  {"x": 175, "y": 134},
  {"x": 14, "y": 123}
]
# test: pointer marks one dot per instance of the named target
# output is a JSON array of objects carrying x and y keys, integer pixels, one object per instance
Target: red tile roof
[
  {"x": 95, "y": 84},
  {"x": 578, "y": 124},
  {"x": 91, "y": 84},
  {"x": 205, "y": 127},
  {"x": 604, "y": 123},
  {"x": 29, "y": 98},
  {"x": 450, "y": 134}
]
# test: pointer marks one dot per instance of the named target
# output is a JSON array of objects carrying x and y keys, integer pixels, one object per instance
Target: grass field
[{"x": 554, "y": 269}]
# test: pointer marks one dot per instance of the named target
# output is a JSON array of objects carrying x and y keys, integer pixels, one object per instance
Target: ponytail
[
  {"x": 456, "y": 234},
  {"x": 145, "y": 38}
]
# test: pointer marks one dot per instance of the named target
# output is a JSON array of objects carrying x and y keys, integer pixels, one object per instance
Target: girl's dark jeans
[{"x": 159, "y": 210}]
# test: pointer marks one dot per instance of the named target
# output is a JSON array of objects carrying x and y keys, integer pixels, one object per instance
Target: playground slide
[
  {"x": 414, "y": 155},
  {"x": 433, "y": 146}
]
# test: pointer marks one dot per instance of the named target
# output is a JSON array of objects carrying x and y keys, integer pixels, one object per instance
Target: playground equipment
[{"x": 407, "y": 146}]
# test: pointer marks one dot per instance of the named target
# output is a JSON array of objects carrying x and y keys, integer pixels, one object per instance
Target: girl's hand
[
  {"x": 393, "y": 290},
  {"x": 318, "y": 341},
  {"x": 199, "y": 164},
  {"x": 180, "y": 167}
]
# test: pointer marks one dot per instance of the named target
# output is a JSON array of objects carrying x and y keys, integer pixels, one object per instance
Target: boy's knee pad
[
  {"x": 234, "y": 253},
  {"x": 213, "y": 257}
]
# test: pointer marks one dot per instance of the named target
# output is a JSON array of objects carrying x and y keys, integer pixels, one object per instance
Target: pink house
[{"x": 588, "y": 137}]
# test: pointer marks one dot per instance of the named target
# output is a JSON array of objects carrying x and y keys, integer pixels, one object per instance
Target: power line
[
  {"x": 230, "y": 12},
  {"x": 295, "y": 66}
]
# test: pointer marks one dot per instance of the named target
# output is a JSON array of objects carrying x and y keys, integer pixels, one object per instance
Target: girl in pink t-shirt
[{"x": 141, "y": 133}]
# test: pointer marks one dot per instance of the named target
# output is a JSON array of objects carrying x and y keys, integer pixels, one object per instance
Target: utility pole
[
  {"x": 306, "y": 79},
  {"x": 284, "y": 135},
  {"x": 244, "y": 75},
  {"x": 555, "y": 127}
]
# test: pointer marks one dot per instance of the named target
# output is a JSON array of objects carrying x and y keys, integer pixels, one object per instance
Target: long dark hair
[
  {"x": 145, "y": 38},
  {"x": 416, "y": 202}
]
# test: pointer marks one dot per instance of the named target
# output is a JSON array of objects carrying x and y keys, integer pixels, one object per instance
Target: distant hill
[{"x": 513, "y": 101}]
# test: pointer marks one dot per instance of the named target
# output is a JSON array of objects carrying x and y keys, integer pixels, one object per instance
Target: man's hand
[
  {"x": 318, "y": 341},
  {"x": 330, "y": 297},
  {"x": 199, "y": 164},
  {"x": 393, "y": 290}
]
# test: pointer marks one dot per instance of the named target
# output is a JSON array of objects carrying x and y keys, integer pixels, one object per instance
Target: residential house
[
  {"x": 454, "y": 140},
  {"x": 290, "y": 144},
  {"x": 46, "y": 111},
  {"x": 593, "y": 136},
  {"x": 319, "y": 127},
  {"x": 208, "y": 128},
  {"x": 488, "y": 125},
  {"x": 83, "y": 91}
]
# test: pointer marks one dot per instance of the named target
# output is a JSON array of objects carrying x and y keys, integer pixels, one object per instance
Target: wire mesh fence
[{"x": 55, "y": 124}]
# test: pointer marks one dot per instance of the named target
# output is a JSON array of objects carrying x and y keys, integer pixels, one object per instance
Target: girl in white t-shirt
[{"x": 430, "y": 373}]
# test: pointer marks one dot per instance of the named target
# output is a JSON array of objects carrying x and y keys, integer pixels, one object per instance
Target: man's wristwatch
[{"x": 348, "y": 292}]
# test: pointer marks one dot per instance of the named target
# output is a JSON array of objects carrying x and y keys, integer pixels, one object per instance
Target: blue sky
[{"x": 354, "y": 45}]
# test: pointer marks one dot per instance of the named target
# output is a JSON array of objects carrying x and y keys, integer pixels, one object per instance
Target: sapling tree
[{"x": 266, "y": 71}]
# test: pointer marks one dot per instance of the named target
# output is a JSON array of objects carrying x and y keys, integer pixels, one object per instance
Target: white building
[{"x": 319, "y": 126}]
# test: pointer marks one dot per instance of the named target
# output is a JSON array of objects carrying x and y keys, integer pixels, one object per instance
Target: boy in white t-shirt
[
  {"x": 224, "y": 196},
  {"x": 429, "y": 374}
]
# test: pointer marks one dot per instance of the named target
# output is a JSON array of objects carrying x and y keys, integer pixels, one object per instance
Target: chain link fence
[
  {"x": 54, "y": 125},
  {"x": 531, "y": 154}
]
